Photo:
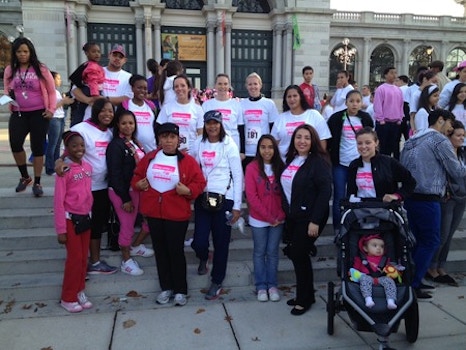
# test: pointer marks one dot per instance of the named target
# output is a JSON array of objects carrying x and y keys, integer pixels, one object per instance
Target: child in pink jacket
[
  {"x": 72, "y": 206},
  {"x": 266, "y": 216}
]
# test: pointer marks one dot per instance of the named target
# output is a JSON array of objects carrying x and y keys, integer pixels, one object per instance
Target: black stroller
[{"x": 387, "y": 219}]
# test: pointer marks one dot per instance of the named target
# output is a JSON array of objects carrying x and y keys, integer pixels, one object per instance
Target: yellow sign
[{"x": 184, "y": 47}]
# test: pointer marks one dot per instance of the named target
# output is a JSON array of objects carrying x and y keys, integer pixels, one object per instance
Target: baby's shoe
[
  {"x": 391, "y": 304},
  {"x": 369, "y": 302}
]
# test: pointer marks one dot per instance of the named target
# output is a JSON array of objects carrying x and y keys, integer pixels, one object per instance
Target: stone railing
[{"x": 373, "y": 18}]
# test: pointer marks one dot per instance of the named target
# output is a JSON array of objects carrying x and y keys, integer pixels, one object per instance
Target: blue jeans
[
  {"x": 265, "y": 255},
  {"x": 452, "y": 213},
  {"x": 340, "y": 179},
  {"x": 212, "y": 221},
  {"x": 55, "y": 131},
  {"x": 424, "y": 221}
]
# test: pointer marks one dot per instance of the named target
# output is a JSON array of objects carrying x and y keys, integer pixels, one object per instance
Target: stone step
[{"x": 47, "y": 285}]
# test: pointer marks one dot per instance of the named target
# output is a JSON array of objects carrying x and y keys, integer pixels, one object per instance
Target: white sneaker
[
  {"x": 164, "y": 297},
  {"x": 141, "y": 250},
  {"x": 83, "y": 300},
  {"x": 262, "y": 295},
  {"x": 180, "y": 299},
  {"x": 274, "y": 295},
  {"x": 131, "y": 267}
]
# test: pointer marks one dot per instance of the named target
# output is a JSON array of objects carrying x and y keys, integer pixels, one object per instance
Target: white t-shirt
[
  {"x": 115, "y": 84},
  {"x": 348, "y": 145},
  {"x": 365, "y": 182},
  {"x": 221, "y": 165},
  {"x": 460, "y": 113},
  {"x": 327, "y": 112},
  {"x": 339, "y": 99},
  {"x": 163, "y": 173},
  {"x": 414, "y": 100},
  {"x": 286, "y": 124},
  {"x": 270, "y": 175},
  {"x": 232, "y": 115},
  {"x": 257, "y": 115},
  {"x": 288, "y": 175},
  {"x": 189, "y": 117},
  {"x": 421, "y": 120},
  {"x": 145, "y": 120},
  {"x": 59, "y": 112},
  {"x": 96, "y": 142},
  {"x": 168, "y": 92}
]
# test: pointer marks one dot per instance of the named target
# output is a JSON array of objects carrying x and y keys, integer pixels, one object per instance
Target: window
[
  {"x": 184, "y": 4},
  {"x": 381, "y": 58},
  {"x": 252, "y": 6},
  {"x": 5, "y": 55},
  {"x": 420, "y": 56},
  {"x": 455, "y": 57}
]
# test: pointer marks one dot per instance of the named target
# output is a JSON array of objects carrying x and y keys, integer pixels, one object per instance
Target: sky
[{"x": 421, "y": 7}]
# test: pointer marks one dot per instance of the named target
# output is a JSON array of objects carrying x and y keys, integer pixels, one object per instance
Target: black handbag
[
  {"x": 82, "y": 223},
  {"x": 113, "y": 231},
  {"x": 212, "y": 201}
]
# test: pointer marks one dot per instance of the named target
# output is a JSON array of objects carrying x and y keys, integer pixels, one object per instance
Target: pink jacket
[
  {"x": 47, "y": 87},
  {"x": 94, "y": 76},
  {"x": 73, "y": 194},
  {"x": 264, "y": 198}
]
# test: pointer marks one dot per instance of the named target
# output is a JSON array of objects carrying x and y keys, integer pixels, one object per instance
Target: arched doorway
[
  {"x": 420, "y": 56},
  {"x": 455, "y": 57},
  {"x": 381, "y": 58},
  {"x": 342, "y": 57}
]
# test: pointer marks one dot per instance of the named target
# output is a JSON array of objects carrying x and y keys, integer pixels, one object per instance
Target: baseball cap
[
  {"x": 168, "y": 127},
  {"x": 119, "y": 48},
  {"x": 213, "y": 115}
]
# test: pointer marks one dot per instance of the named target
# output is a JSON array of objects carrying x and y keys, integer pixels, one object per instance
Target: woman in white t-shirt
[
  {"x": 166, "y": 90},
  {"x": 220, "y": 162},
  {"x": 232, "y": 115},
  {"x": 259, "y": 114},
  {"x": 457, "y": 104},
  {"x": 144, "y": 110},
  {"x": 376, "y": 175},
  {"x": 427, "y": 103},
  {"x": 184, "y": 112},
  {"x": 296, "y": 111},
  {"x": 343, "y": 87}
]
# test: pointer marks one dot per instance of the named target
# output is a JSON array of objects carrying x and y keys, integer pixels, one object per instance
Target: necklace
[{"x": 22, "y": 78}]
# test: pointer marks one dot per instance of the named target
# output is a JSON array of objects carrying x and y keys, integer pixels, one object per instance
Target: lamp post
[{"x": 345, "y": 54}]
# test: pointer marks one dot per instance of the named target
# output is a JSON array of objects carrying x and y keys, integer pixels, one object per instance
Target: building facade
[{"x": 274, "y": 38}]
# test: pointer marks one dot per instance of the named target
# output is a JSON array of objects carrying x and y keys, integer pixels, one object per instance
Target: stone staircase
[{"x": 31, "y": 260}]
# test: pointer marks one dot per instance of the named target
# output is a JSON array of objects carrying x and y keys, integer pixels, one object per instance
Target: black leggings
[
  {"x": 100, "y": 213},
  {"x": 32, "y": 123}
]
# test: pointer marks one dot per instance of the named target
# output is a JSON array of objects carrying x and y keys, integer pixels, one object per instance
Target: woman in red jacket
[
  {"x": 168, "y": 181},
  {"x": 266, "y": 216}
]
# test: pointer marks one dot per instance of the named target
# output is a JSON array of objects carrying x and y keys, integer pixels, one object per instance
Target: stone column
[
  {"x": 139, "y": 46},
  {"x": 148, "y": 38},
  {"x": 82, "y": 23},
  {"x": 157, "y": 41},
  {"x": 404, "y": 68},
  {"x": 228, "y": 50},
  {"x": 210, "y": 54},
  {"x": 366, "y": 63},
  {"x": 288, "y": 48},
  {"x": 219, "y": 50},
  {"x": 277, "y": 57},
  {"x": 72, "y": 41}
]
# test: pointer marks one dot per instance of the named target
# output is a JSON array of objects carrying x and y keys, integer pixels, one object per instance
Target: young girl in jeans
[
  {"x": 73, "y": 196},
  {"x": 266, "y": 215}
]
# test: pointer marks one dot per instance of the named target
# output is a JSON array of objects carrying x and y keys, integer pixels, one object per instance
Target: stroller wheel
[
  {"x": 330, "y": 307},
  {"x": 412, "y": 322}
]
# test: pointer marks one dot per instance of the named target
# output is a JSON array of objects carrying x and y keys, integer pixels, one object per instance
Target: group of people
[{"x": 150, "y": 149}]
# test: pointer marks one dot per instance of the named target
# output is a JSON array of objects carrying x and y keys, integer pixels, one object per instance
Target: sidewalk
[{"x": 233, "y": 322}]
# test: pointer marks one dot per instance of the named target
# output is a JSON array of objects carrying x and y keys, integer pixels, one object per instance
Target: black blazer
[{"x": 310, "y": 192}]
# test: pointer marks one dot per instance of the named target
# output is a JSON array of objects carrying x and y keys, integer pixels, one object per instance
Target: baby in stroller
[{"x": 370, "y": 268}]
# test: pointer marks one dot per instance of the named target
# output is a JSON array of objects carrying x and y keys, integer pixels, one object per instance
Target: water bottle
[{"x": 238, "y": 225}]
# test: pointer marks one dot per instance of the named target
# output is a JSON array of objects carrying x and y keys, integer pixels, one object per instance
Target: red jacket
[{"x": 169, "y": 205}]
